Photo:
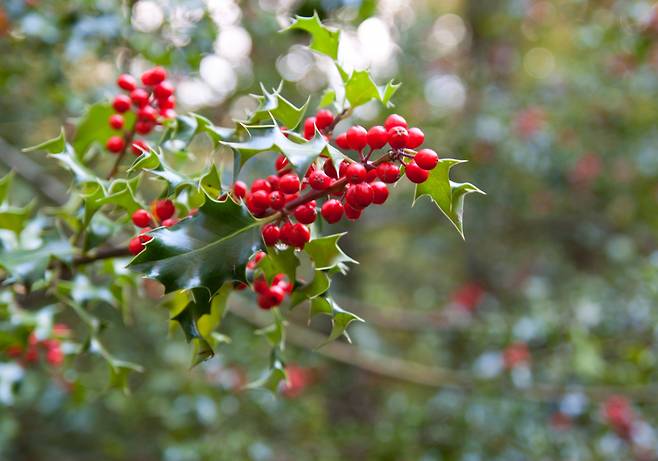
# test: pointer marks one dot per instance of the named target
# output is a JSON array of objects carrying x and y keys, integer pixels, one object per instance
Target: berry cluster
[
  {"x": 153, "y": 103},
  {"x": 349, "y": 189},
  {"x": 269, "y": 294},
  {"x": 162, "y": 214},
  {"x": 51, "y": 347}
]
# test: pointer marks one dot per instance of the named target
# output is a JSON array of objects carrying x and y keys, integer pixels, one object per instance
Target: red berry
[
  {"x": 342, "y": 168},
  {"x": 139, "y": 97},
  {"x": 116, "y": 121},
  {"x": 388, "y": 172},
  {"x": 167, "y": 103},
  {"x": 154, "y": 76},
  {"x": 372, "y": 175},
  {"x": 164, "y": 209},
  {"x": 126, "y": 82},
  {"x": 397, "y": 137},
  {"x": 169, "y": 222},
  {"x": 394, "y": 120},
  {"x": 380, "y": 192},
  {"x": 329, "y": 169},
  {"x": 261, "y": 184},
  {"x": 319, "y": 180},
  {"x": 281, "y": 281},
  {"x": 143, "y": 127},
  {"x": 270, "y": 234},
  {"x": 261, "y": 286},
  {"x": 305, "y": 214},
  {"x": 357, "y": 137},
  {"x": 240, "y": 189},
  {"x": 141, "y": 218},
  {"x": 332, "y": 211},
  {"x": 427, "y": 159},
  {"x": 163, "y": 90},
  {"x": 274, "y": 181},
  {"x": 281, "y": 162},
  {"x": 289, "y": 183},
  {"x": 253, "y": 207},
  {"x": 121, "y": 103},
  {"x": 276, "y": 294},
  {"x": 258, "y": 256},
  {"x": 299, "y": 235},
  {"x": 277, "y": 200},
  {"x": 115, "y": 144},
  {"x": 135, "y": 246},
  {"x": 341, "y": 141},
  {"x": 143, "y": 235},
  {"x": 323, "y": 119},
  {"x": 55, "y": 356},
  {"x": 147, "y": 113},
  {"x": 415, "y": 173},
  {"x": 260, "y": 199},
  {"x": 352, "y": 213},
  {"x": 138, "y": 147},
  {"x": 286, "y": 233},
  {"x": 355, "y": 173},
  {"x": 416, "y": 137},
  {"x": 309, "y": 127},
  {"x": 377, "y": 137},
  {"x": 264, "y": 302},
  {"x": 359, "y": 196}
]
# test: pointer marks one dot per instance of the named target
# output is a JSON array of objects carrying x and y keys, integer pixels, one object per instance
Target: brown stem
[{"x": 129, "y": 139}]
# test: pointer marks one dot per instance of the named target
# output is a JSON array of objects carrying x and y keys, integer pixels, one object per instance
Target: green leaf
[
  {"x": 275, "y": 333},
  {"x": 211, "y": 182},
  {"x": 15, "y": 218},
  {"x": 93, "y": 127},
  {"x": 29, "y": 266},
  {"x": 5, "y": 186},
  {"x": 189, "y": 318},
  {"x": 325, "y": 252},
  {"x": 340, "y": 318},
  {"x": 280, "y": 262},
  {"x": 155, "y": 163},
  {"x": 185, "y": 127},
  {"x": 52, "y": 146},
  {"x": 206, "y": 250},
  {"x": 319, "y": 285},
  {"x": 360, "y": 88},
  {"x": 273, "y": 105},
  {"x": 271, "y": 379},
  {"x": 328, "y": 98},
  {"x": 446, "y": 194},
  {"x": 323, "y": 39},
  {"x": 119, "y": 369}
]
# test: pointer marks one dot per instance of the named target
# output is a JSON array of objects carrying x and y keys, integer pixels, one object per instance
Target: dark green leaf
[
  {"x": 325, "y": 252},
  {"x": 93, "y": 127},
  {"x": 273, "y": 105},
  {"x": 323, "y": 39}
]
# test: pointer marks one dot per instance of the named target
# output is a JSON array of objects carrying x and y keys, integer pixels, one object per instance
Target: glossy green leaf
[
  {"x": 325, "y": 252},
  {"x": 29, "y": 266},
  {"x": 328, "y": 98},
  {"x": 270, "y": 379},
  {"x": 206, "y": 250},
  {"x": 340, "y": 318},
  {"x": 280, "y": 262},
  {"x": 324, "y": 39},
  {"x": 319, "y": 285},
  {"x": 273, "y": 105},
  {"x": 155, "y": 163},
  {"x": 211, "y": 182},
  {"x": 446, "y": 194},
  {"x": 185, "y": 127},
  {"x": 5, "y": 186},
  {"x": 276, "y": 332},
  {"x": 360, "y": 88},
  {"x": 52, "y": 146},
  {"x": 15, "y": 218},
  {"x": 93, "y": 127}
]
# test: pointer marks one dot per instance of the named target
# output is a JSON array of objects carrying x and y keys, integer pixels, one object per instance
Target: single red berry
[
  {"x": 427, "y": 159},
  {"x": 270, "y": 234},
  {"x": 116, "y": 121},
  {"x": 260, "y": 199},
  {"x": 397, "y": 137},
  {"x": 324, "y": 118},
  {"x": 416, "y": 137},
  {"x": 281, "y": 280},
  {"x": 135, "y": 246},
  {"x": 139, "y": 97},
  {"x": 289, "y": 183},
  {"x": 352, "y": 213},
  {"x": 286, "y": 233},
  {"x": 258, "y": 256},
  {"x": 329, "y": 169},
  {"x": 261, "y": 184},
  {"x": 357, "y": 137},
  {"x": 169, "y": 222},
  {"x": 281, "y": 162},
  {"x": 379, "y": 192},
  {"x": 147, "y": 114},
  {"x": 251, "y": 205},
  {"x": 355, "y": 173},
  {"x": 309, "y": 127},
  {"x": 240, "y": 189},
  {"x": 276, "y": 294},
  {"x": 164, "y": 209},
  {"x": 305, "y": 214},
  {"x": 126, "y": 82},
  {"x": 163, "y": 90},
  {"x": 55, "y": 356},
  {"x": 394, "y": 120},
  {"x": 342, "y": 168},
  {"x": 341, "y": 141},
  {"x": 359, "y": 195},
  {"x": 239, "y": 286},
  {"x": 332, "y": 211},
  {"x": 143, "y": 127},
  {"x": 167, "y": 103},
  {"x": 154, "y": 76},
  {"x": 372, "y": 175},
  {"x": 277, "y": 200},
  {"x": 274, "y": 181},
  {"x": 265, "y": 302},
  {"x": 299, "y": 235},
  {"x": 319, "y": 180},
  {"x": 138, "y": 147},
  {"x": 388, "y": 172},
  {"x": 121, "y": 103},
  {"x": 141, "y": 218},
  {"x": 115, "y": 144},
  {"x": 415, "y": 173},
  {"x": 377, "y": 137},
  {"x": 261, "y": 286}
]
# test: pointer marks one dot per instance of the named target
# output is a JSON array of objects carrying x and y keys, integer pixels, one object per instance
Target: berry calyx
[
  {"x": 271, "y": 234},
  {"x": 115, "y": 144},
  {"x": 305, "y": 213},
  {"x": 332, "y": 211},
  {"x": 319, "y": 180},
  {"x": 164, "y": 209},
  {"x": 355, "y": 173},
  {"x": 394, "y": 120},
  {"x": 289, "y": 184},
  {"x": 416, "y": 137},
  {"x": 357, "y": 138},
  {"x": 427, "y": 159},
  {"x": 380, "y": 192},
  {"x": 388, "y": 172},
  {"x": 397, "y": 137},
  {"x": 126, "y": 82},
  {"x": 141, "y": 218},
  {"x": 415, "y": 173},
  {"x": 323, "y": 119},
  {"x": 116, "y": 121}
]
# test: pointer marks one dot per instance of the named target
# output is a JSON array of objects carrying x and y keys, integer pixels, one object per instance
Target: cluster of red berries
[
  {"x": 352, "y": 187},
  {"x": 51, "y": 347},
  {"x": 162, "y": 214},
  {"x": 269, "y": 294},
  {"x": 153, "y": 103}
]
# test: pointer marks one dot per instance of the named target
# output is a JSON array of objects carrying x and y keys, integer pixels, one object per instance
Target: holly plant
[{"x": 204, "y": 236}]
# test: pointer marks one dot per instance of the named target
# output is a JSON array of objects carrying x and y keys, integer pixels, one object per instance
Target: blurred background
[{"x": 534, "y": 339}]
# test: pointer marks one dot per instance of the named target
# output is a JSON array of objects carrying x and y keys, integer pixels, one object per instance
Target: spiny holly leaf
[
  {"x": 340, "y": 318},
  {"x": 273, "y": 105},
  {"x": 271, "y": 379},
  {"x": 29, "y": 266},
  {"x": 206, "y": 250},
  {"x": 119, "y": 369},
  {"x": 328, "y": 98},
  {"x": 446, "y": 194},
  {"x": 323, "y": 39},
  {"x": 360, "y": 88},
  {"x": 93, "y": 126},
  {"x": 319, "y": 285},
  {"x": 280, "y": 262},
  {"x": 188, "y": 318},
  {"x": 154, "y": 162},
  {"x": 52, "y": 146},
  {"x": 185, "y": 127},
  {"x": 275, "y": 333},
  {"x": 15, "y": 218},
  {"x": 211, "y": 182},
  {"x": 5, "y": 186},
  {"x": 325, "y": 252}
]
